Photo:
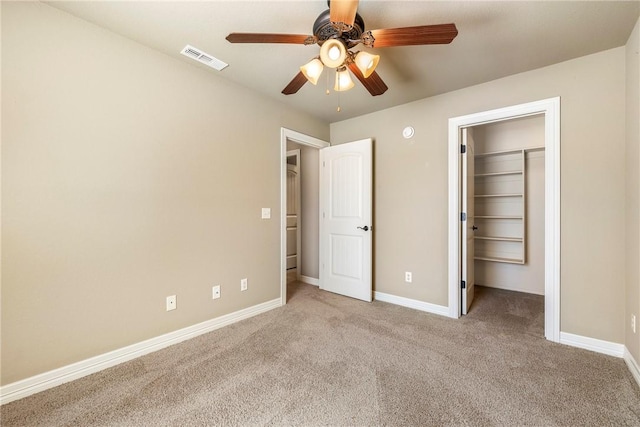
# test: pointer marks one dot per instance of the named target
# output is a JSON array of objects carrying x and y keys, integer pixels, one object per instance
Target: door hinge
[
  {"x": 464, "y": 284},
  {"x": 463, "y": 216},
  {"x": 463, "y": 148}
]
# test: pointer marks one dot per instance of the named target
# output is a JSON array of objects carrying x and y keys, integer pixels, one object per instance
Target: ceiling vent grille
[{"x": 204, "y": 58}]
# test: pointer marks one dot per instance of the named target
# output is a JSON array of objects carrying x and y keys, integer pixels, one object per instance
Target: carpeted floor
[{"x": 324, "y": 359}]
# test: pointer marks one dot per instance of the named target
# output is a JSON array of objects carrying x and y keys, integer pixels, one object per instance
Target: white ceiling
[{"x": 495, "y": 39}]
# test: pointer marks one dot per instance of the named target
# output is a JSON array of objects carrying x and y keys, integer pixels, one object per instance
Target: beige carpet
[{"x": 324, "y": 359}]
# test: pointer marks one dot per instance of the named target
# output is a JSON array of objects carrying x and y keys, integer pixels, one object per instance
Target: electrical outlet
[
  {"x": 171, "y": 303},
  {"x": 633, "y": 323},
  {"x": 266, "y": 213},
  {"x": 216, "y": 292},
  {"x": 408, "y": 277},
  {"x": 244, "y": 283}
]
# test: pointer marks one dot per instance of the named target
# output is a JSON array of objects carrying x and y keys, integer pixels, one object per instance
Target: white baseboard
[
  {"x": 412, "y": 303},
  {"x": 309, "y": 280},
  {"x": 593, "y": 344},
  {"x": 47, "y": 380},
  {"x": 632, "y": 365}
]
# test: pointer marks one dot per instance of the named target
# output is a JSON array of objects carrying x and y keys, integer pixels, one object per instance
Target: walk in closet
[{"x": 509, "y": 205}]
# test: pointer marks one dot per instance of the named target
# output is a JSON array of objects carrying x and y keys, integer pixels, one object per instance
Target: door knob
[
  {"x": 474, "y": 228},
  {"x": 365, "y": 228}
]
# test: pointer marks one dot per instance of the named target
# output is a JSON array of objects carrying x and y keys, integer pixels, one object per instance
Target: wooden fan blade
[
  {"x": 266, "y": 38},
  {"x": 373, "y": 83},
  {"x": 408, "y": 36},
  {"x": 294, "y": 85},
  {"x": 343, "y": 11}
]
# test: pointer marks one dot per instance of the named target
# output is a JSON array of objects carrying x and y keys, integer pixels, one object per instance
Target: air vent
[{"x": 204, "y": 58}]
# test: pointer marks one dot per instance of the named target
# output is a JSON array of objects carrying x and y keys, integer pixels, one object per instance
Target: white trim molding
[
  {"x": 412, "y": 303},
  {"x": 47, "y": 380},
  {"x": 550, "y": 108},
  {"x": 309, "y": 280},
  {"x": 604, "y": 347},
  {"x": 593, "y": 344},
  {"x": 632, "y": 365}
]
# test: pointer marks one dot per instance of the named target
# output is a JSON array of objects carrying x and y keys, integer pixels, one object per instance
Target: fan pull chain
[
  {"x": 327, "y": 79},
  {"x": 338, "y": 84}
]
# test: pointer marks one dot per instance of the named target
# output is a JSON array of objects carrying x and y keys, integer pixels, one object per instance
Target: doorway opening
[
  {"x": 309, "y": 145},
  {"x": 503, "y": 197},
  {"x": 503, "y": 243}
]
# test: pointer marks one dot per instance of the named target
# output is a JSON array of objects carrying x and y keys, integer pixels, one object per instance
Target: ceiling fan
[{"x": 339, "y": 29}]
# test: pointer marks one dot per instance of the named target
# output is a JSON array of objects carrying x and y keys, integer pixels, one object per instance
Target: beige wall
[
  {"x": 127, "y": 176},
  {"x": 526, "y": 132},
  {"x": 632, "y": 341},
  {"x": 310, "y": 201},
  {"x": 411, "y": 186},
  {"x": 120, "y": 187}
]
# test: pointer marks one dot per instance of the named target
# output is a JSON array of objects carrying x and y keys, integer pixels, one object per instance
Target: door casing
[{"x": 550, "y": 108}]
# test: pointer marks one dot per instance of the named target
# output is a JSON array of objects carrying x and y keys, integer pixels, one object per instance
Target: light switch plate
[{"x": 266, "y": 213}]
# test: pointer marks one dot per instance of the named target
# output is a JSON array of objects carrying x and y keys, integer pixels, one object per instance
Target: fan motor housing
[{"x": 324, "y": 30}]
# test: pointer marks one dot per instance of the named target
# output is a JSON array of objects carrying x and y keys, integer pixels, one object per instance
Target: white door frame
[
  {"x": 551, "y": 110},
  {"x": 300, "y": 138}
]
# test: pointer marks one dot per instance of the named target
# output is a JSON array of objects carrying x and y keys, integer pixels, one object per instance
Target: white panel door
[
  {"x": 346, "y": 219},
  {"x": 468, "y": 226}
]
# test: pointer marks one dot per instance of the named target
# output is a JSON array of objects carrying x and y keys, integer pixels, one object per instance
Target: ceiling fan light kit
[
  {"x": 366, "y": 63},
  {"x": 333, "y": 53},
  {"x": 343, "y": 80},
  {"x": 341, "y": 28},
  {"x": 312, "y": 70}
]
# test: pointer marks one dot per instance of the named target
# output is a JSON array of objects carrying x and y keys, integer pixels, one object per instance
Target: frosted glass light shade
[
  {"x": 333, "y": 53},
  {"x": 343, "y": 81},
  {"x": 312, "y": 70},
  {"x": 366, "y": 63}
]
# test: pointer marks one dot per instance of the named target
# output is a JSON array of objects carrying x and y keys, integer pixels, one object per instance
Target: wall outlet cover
[
  {"x": 216, "y": 292},
  {"x": 244, "y": 284}
]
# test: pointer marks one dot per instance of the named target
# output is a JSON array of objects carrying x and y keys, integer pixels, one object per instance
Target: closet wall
[{"x": 522, "y": 133}]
